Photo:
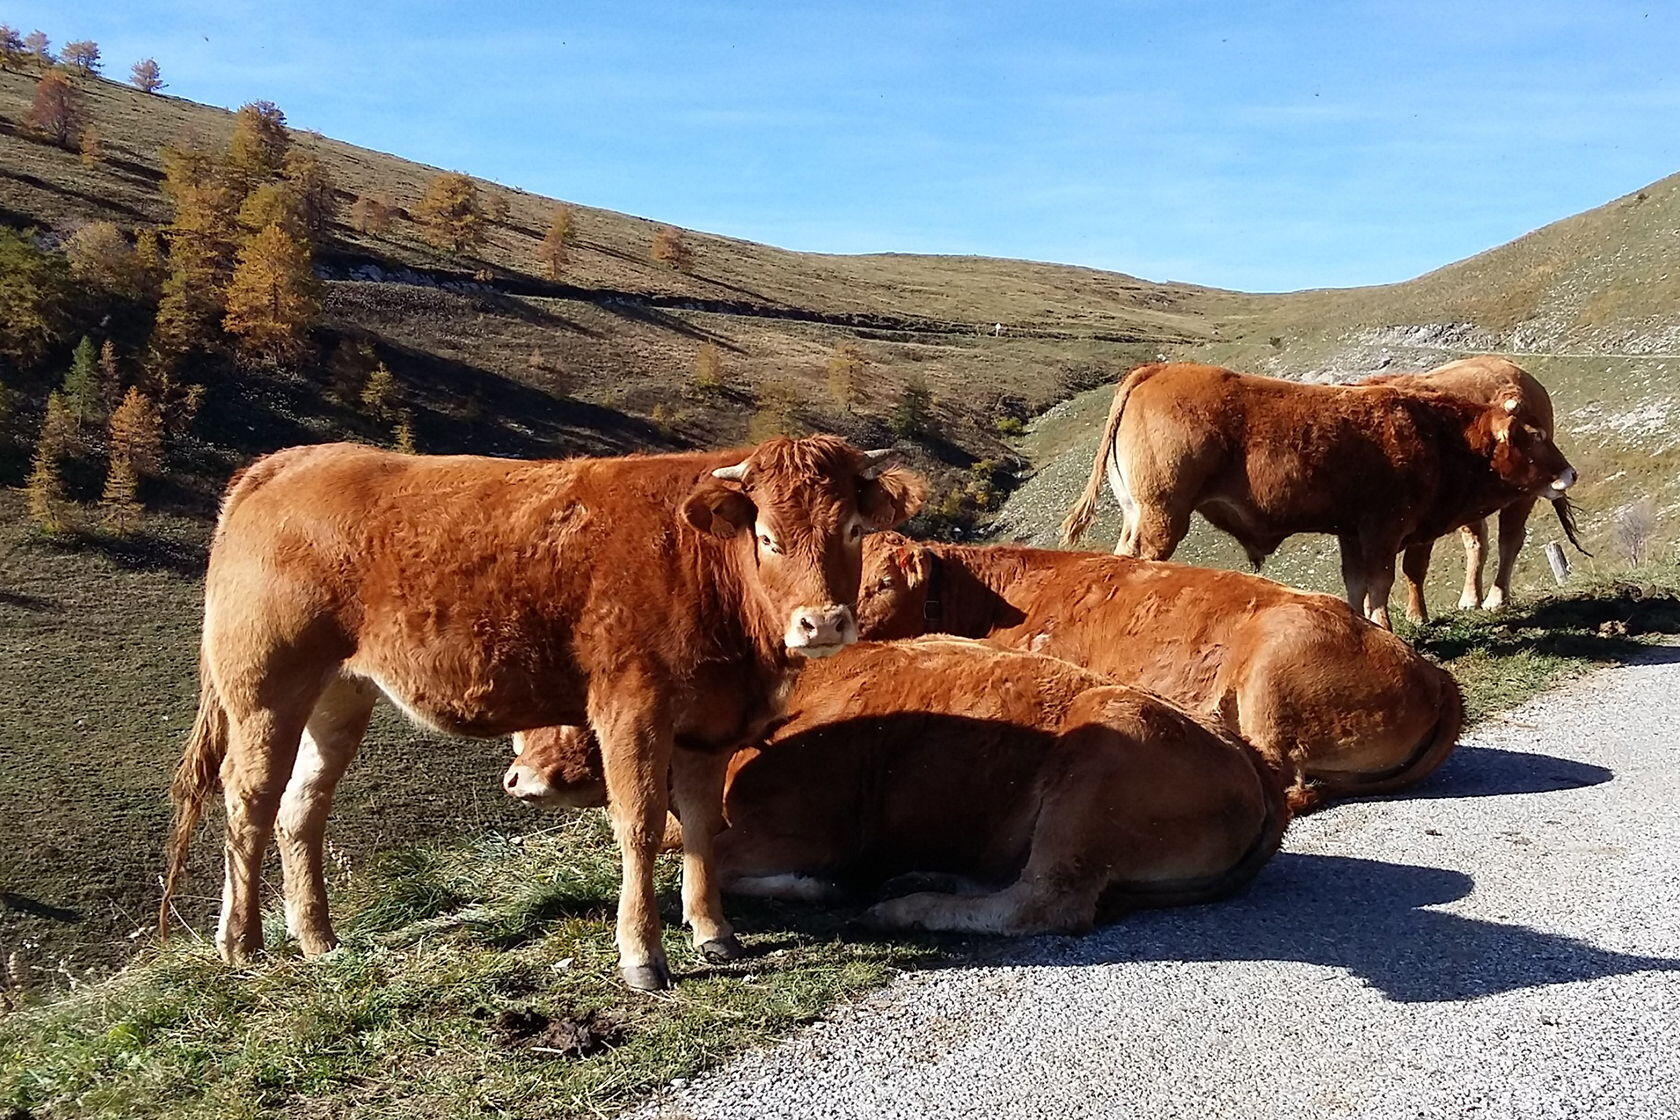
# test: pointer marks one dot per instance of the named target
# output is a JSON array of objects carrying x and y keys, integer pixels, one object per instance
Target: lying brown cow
[
  {"x": 1068, "y": 797},
  {"x": 1263, "y": 459},
  {"x": 1342, "y": 706},
  {"x": 648, "y": 597},
  {"x": 1487, "y": 380}
]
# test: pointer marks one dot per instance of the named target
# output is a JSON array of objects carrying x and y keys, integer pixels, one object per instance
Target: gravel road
[{"x": 1502, "y": 944}]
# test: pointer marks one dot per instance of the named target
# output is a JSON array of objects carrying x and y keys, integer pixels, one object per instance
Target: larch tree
[
  {"x": 273, "y": 299},
  {"x": 92, "y": 147},
  {"x": 48, "y": 508},
  {"x": 372, "y": 213},
  {"x": 260, "y": 140},
  {"x": 273, "y": 204},
  {"x": 845, "y": 369},
  {"x": 101, "y": 257},
  {"x": 450, "y": 212},
  {"x": 38, "y": 46},
  {"x": 145, "y": 76},
  {"x": 11, "y": 47},
  {"x": 315, "y": 191},
  {"x": 402, "y": 433},
  {"x": 379, "y": 392},
  {"x": 35, "y": 298},
  {"x": 56, "y": 111},
  {"x": 708, "y": 368},
  {"x": 202, "y": 235},
  {"x": 148, "y": 262},
  {"x": 670, "y": 249},
  {"x": 110, "y": 377},
  {"x": 556, "y": 242},
  {"x": 119, "y": 505},
  {"x": 137, "y": 431},
  {"x": 81, "y": 56}
]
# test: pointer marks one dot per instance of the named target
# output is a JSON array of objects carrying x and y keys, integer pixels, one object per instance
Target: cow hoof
[
  {"x": 722, "y": 950},
  {"x": 1495, "y": 599},
  {"x": 646, "y": 977},
  {"x": 1468, "y": 602}
]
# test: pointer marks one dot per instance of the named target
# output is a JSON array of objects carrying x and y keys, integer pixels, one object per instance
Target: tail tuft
[
  {"x": 195, "y": 777},
  {"x": 1084, "y": 511}
]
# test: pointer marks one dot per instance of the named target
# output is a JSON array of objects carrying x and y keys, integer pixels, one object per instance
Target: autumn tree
[
  {"x": 450, "y": 212},
  {"x": 145, "y": 76},
  {"x": 45, "y": 488},
  {"x": 495, "y": 206},
  {"x": 56, "y": 111},
  {"x": 202, "y": 238},
  {"x": 379, "y": 392},
  {"x": 372, "y": 213},
  {"x": 273, "y": 299},
  {"x": 11, "y": 47},
  {"x": 101, "y": 257},
  {"x": 37, "y": 45},
  {"x": 110, "y": 376},
  {"x": 119, "y": 504},
  {"x": 708, "y": 368},
  {"x": 314, "y": 190},
  {"x": 402, "y": 433},
  {"x": 92, "y": 147},
  {"x": 137, "y": 432},
  {"x": 260, "y": 141},
  {"x": 35, "y": 298},
  {"x": 273, "y": 204},
  {"x": 80, "y": 390},
  {"x": 671, "y": 250},
  {"x": 556, "y": 241},
  {"x": 775, "y": 416},
  {"x": 844, "y": 370},
  {"x": 81, "y": 56},
  {"x": 148, "y": 262}
]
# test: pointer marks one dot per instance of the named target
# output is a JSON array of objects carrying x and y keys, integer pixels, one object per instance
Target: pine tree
[
  {"x": 110, "y": 377},
  {"x": 81, "y": 56},
  {"x": 914, "y": 410},
  {"x": 260, "y": 140},
  {"x": 554, "y": 244},
  {"x": 120, "y": 503},
  {"x": 45, "y": 488},
  {"x": 273, "y": 299},
  {"x": 56, "y": 111},
  {"x": 378, "y": 392},
  {"x": 671, "y": 250},
  {"x": 450, "y": 212},
  {"x": 136, "y": 432},
  {"x": 93, "y": 149},
  {"x": 708, "y": 368},
  {"x": 81, "y": 382},
  {"x": 145, "y": 76}
]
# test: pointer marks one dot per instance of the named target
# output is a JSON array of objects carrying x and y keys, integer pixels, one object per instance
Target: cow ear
[
  {"x": 717, "y": 507},
  {"x": 890, "y": 498},
  {"x": 912, "y": 560}
]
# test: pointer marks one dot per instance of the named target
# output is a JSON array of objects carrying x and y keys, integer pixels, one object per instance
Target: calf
[
  {"x": 649, "y": 597},
  {"x": 1262, "y": 459},
  {"x": 1054, "y": 796}
]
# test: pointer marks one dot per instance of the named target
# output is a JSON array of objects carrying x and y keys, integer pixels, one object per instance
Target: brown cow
[
  {"x": 1486, "y": 379},
  {"x": 1069, "y": 797},
  {"x": 1345, "y": 708},
  {"x": 1263, "y": 459},
  {"x": 647, "y": 597}
]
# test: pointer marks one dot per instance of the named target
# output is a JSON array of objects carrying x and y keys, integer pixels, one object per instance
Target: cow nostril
[{"x": 808, "y": 625}]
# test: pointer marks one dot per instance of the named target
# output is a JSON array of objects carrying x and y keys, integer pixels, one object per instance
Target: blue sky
[{"x": 1262, "y": 146}]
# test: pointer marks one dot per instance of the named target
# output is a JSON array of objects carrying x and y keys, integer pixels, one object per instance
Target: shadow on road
[
  {"x": 1365, "y": 916},
  {"x": 1491, "y": 772}
]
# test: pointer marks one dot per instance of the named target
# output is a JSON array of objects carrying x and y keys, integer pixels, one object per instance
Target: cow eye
[
  {"x": 770, "y": 545},
  {"x": 855, "y": 532}
]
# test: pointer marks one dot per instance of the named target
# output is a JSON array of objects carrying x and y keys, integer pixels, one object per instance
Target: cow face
[
  {"x": 797, "y": 511},
  {"x": 1523, "y": 455},
  {"x": 556, "y": 768},
  {"x": 894, "y": 590}
]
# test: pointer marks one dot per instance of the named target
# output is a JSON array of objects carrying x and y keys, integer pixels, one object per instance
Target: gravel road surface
[{"x": 1504, "y": 943}]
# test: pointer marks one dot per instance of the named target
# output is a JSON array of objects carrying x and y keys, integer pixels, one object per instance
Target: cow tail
[
  {"x": 1430, "y": 753},
  {"x": 1084, "y": 511},
  {"x": 195, "y": 777}
]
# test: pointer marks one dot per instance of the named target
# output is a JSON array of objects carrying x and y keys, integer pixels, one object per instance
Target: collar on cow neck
[{"x": 933, "y": 608}]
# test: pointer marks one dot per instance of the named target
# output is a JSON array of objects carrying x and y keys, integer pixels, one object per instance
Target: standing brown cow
[
  {"x": 1342, "y": 707},
  {"x": 1263, "y": 459},
  {"x": 1486, "y": 379},
  {"x": 647, "y": 597},
  {"x": 1055, "y": 797}
]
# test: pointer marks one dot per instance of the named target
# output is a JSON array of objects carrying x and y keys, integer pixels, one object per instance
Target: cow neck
[
  {"x": 737, "y": 628},
  {"x": 965, "y": 591}
]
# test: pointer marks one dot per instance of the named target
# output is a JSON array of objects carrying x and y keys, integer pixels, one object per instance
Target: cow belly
[{"x": 476, "y": 701}]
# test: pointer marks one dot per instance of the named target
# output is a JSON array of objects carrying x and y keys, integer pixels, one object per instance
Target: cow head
[
  {"x": 894, "y": 591},
  {"x": 796, "y": 511},
  {"x": 1522, "y": 454},
  {"x": 556, "y": 768}
]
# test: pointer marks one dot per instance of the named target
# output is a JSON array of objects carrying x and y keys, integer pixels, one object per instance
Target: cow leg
[
  {"x": 1474, "y": 536},
  {"x": 330, "y": 739},
  {"x": 698, "y": 786},
  {"x": 1353, "y": 571},
  {"x": 1513, "y": 531},
  {"x": 1028, "y": 906},
  {"x": 262, "y": 746},
  {"x": 636, "y": 746},
  {"x": 1379, "y": 581},
  {"x": 1414, "y": 565},
  {"x": 1156, "y": 531}
]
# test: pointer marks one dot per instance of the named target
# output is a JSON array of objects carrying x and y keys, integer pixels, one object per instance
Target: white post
[{"x": 1559, "y": 562}]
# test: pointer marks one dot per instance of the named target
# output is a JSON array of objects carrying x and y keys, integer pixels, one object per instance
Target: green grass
[{"x": 443, "y": 943}]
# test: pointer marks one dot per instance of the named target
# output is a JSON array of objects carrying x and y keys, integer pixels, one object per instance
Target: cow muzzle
[
  {"x": 820, "y": 631},
  {"x": 528, "y": 784},
  {"x": 1564, "y": 481}
]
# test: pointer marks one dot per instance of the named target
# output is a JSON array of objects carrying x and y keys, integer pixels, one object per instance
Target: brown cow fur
[
  {"x": 1345, "y": 707},
  {"x": 1067, "y": 796},
  {"x": 1485, "y": 379},
  {"x": 1263, "y": 459},
  {"x": 647, "y": 597}
]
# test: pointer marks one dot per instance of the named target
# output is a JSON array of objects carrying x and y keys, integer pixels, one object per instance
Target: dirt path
[{"x": 1504, "y": 944}]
